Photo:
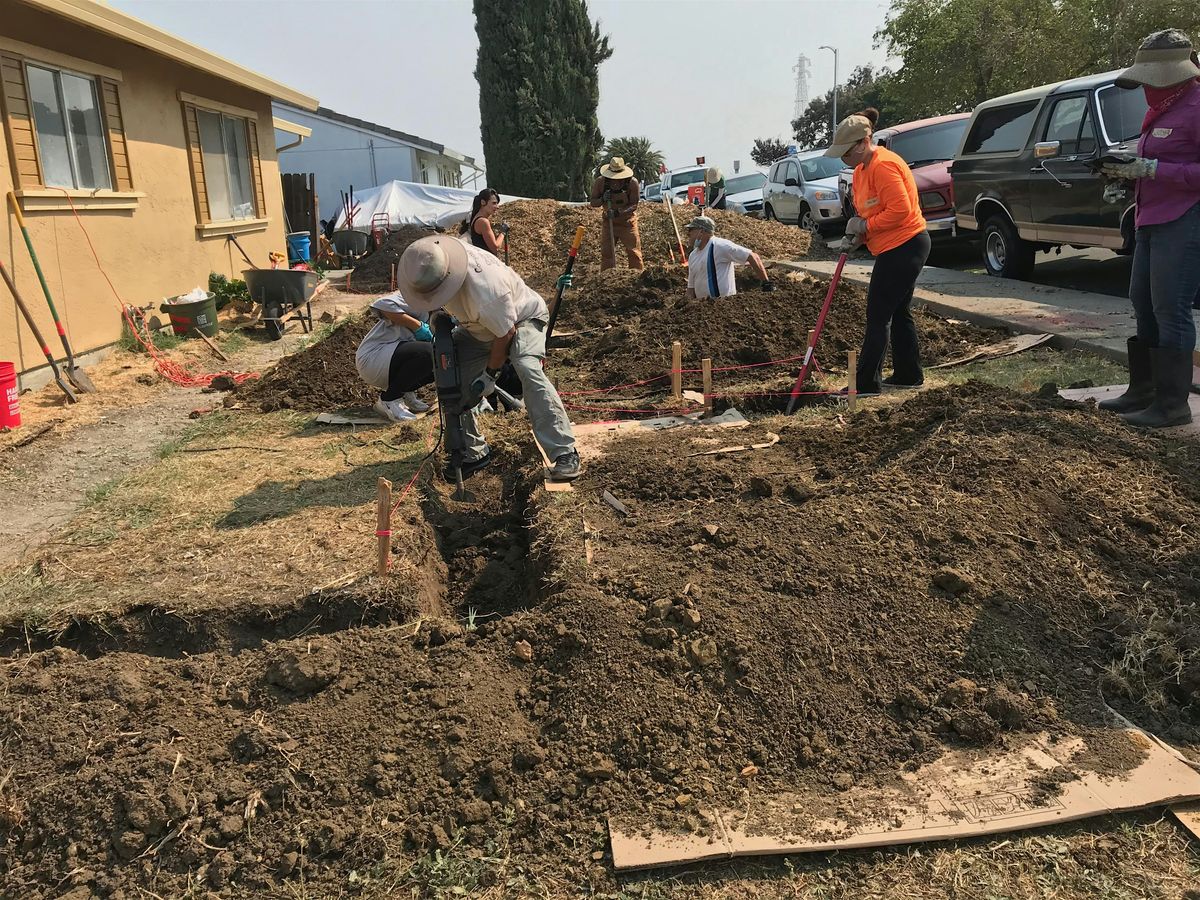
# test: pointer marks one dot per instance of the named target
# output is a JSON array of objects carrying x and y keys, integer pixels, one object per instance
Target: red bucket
[{"x": 10, "y": 404}]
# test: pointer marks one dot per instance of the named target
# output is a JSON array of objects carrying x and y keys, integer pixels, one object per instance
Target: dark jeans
[
  {"x": 1165, "y": 282},
  {"x": 411, "y": 367},
  {"x": 889, "y": 298}
]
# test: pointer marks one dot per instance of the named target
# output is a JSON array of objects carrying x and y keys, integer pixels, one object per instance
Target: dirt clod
[{"x": 304, "y": 672}]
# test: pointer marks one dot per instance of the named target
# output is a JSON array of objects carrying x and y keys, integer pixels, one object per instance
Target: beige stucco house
[{"x": 164, "y": 148}]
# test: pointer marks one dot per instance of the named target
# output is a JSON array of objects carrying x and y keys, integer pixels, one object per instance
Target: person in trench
[
  {"x": 500, "y": 318},
  {"x": 1164, "y": 284}
]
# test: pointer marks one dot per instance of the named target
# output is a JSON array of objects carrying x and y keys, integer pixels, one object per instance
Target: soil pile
[
  {"x": 627, "y": 322},
  {"x": 958, "y": 571},
  {"x": 541, "y": 232},
  {"x": 320, "y": 378}
]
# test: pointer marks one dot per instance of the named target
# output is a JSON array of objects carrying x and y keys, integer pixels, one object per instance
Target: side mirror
[
  {"x": 1046, "y": 149},
  {"x": 791, "y": 182}
]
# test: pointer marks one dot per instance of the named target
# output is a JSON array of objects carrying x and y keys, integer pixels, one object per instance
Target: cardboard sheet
[
  {"x": 1116, "y": 390},
  {"x": 360, "y": 415},
  {"x": 963, "y": 794},
  {"x": 1018, "y": 343}
]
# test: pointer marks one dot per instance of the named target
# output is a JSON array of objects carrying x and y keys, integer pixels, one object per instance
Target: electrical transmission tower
[{"x": 801, "y": 68}]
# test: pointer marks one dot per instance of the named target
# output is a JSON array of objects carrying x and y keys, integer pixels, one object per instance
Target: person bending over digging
[
  {"x": 711, "y": 262},
  {"x": 616, "y": 192},
  {"x": 889, "y": 221},
  {"x": 499, "y": 318},
  {"x": 396, "y": 357}
]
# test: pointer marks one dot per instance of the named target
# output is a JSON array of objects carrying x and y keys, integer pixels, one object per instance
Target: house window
[
  {"x": 71, "y": 134},
  {"x": 223, "y": 148}
]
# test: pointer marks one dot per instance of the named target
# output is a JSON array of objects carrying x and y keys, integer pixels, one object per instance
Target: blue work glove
[
  {"x": 856, "y": 225},
  {"x": 564, "y": 282},
  {"x": 423, "y": 333},
  {"x": 1131, "y": 171},
  {"x": 485, "y": 384}
]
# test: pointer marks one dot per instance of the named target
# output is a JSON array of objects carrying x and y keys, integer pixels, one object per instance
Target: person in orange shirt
[{"x": 890, "y": 223}]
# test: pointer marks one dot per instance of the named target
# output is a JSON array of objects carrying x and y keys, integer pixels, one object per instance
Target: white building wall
[{"x": 342, "y": 155}]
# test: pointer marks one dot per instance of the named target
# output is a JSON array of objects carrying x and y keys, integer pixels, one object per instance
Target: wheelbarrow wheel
[{"x": 273, "y": 319}]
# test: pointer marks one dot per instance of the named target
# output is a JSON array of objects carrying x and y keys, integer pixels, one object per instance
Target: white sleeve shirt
[
  {"x": 726, "y": 255},
  {"x": 493, "y": 299}
]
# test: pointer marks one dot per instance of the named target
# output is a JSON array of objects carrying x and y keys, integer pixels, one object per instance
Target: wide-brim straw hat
[
  {"x": 1160, "y": 68},
  {"x": 616, "y": 169},
  {"x": 713, "y": 175},
  {"x": 851, "y": 130},
  {"x": 431, "y": 271}
]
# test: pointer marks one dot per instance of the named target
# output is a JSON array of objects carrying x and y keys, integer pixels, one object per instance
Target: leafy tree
[
  {"x": 958, "y": 53},
  {"x": 863, "y": 88},
  {"x": 638, "y": 154},
  {"x": 538, "y": 72},
  {"x": 767, "y": 150}
]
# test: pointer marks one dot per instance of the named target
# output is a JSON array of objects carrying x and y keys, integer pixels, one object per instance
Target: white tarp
[{"x": 409, "y": 203}]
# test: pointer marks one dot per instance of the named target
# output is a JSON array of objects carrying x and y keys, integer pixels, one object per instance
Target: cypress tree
[{"x": 538, "y": 73}]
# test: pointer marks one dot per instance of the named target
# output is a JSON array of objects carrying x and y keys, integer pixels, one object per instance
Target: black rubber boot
[
  {"x": 1172, "y": 387},
  {"x": 1140, "y": 392}
]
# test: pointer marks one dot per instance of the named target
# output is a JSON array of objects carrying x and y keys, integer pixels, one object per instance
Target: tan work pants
[{"x": 626, "y": 234}]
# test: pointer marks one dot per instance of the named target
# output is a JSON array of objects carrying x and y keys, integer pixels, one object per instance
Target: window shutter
[
  {"x": 118, "y": 149},
  {"x": 260, "y": 198},
  {"x": 191, "y": 127},
  {"x": 18, "y": 118}
]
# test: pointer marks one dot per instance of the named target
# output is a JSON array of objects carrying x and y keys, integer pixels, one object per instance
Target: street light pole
[{"x": 835, "y": 88}]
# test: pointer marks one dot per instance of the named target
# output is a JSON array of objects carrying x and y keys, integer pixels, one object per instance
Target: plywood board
[
  {"x": 1008, "y": 347},
  {"x": 963, "y": 794},
  {"x": 553, "y": 487}
]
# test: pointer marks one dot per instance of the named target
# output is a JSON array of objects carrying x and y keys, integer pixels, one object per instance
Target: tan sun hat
[
  {"x": 1165, "y": 58},
  {"x": 616, "y": 170},
  {"x": 431, "y": 271},
  {"x": 713, "y": 175},
  {"x": 852, "y": 130}
]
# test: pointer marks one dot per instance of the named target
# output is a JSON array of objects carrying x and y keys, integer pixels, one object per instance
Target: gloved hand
[
  {"x": 1115, "y": 192},
  {"x": 1131, "y": 171},
  {"x": 423, "y": 333},
  {"x": 485, "y": 384},
  {"x": 856, "y": 225},
  {"x": 503, "y": 228},
  {"x": 768, "y": 285},
  {"x": 564, "y": 282}
]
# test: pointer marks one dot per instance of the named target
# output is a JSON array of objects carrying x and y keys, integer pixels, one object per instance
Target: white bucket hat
[
  {"x": 431, "y": 271},
  {"x": 713, "y": 175},
  {"x": 1165, "y": 59}
]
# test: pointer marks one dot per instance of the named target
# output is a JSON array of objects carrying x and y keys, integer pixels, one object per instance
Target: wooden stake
[
  {"x": 677, "y": 370},
  {"x": 211, "y": 346},
  {"x": 812, "y": 337},
  {"x": 706, "y": 374},
  {"x": 393, "y": 276},
  {"x": 852, "y": 372},
  {"x": 383, "y": 525}
]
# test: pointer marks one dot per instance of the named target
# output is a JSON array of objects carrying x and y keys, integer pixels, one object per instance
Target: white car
[
  {"x": 744, "y": 193},
  {"x": 676, "y": 182},
  {"x": 803, "y": 190}
]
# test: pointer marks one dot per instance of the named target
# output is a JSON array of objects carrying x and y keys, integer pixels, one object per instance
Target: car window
[
  {"x": 1121, "y": 113},
  {"x": 1070, "y": 123},
  {"x": 777, "y": 173},
  {"x": 679, "y": 179},
  {"x": 1002, "y": 129},
  {"x": 933, "y": 143},
  {"x": 742, "y": 183},
  {"x": 820, "y": 167}
]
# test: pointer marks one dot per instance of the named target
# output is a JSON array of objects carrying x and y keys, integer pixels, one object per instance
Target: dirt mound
[
  {"x": 541, "y": 232},
  {"x": 627, "y": 322},
  {"x": 958, "y": 571},
  {"x": 319, "y": 378}
]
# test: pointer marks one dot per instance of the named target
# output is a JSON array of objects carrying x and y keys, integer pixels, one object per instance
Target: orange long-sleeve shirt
[{"x": 885, "y": 194}]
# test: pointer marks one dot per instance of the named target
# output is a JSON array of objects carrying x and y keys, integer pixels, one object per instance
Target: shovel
[
  {"x": 37, "y": 333},
  {"x": 808, "y": 353},
  {"x": 76, "y": 375}
]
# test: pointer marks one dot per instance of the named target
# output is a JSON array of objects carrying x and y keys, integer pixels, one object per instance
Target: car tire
[
  {"x": 1005, "y": 253},
  {"x": 769, "y": 213},
  {"x": 808, "y": 222}
]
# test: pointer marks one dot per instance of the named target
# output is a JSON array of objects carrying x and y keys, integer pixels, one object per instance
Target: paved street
[{"x": 1099, "y": 271}]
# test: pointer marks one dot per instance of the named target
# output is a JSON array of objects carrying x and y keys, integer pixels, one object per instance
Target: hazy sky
[{"x": 699, "y": 78}]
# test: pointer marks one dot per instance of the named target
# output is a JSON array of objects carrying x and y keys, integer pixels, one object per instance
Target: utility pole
[
  {"x": 801, "y": 68},
  {"x": 833, "y": 128}
]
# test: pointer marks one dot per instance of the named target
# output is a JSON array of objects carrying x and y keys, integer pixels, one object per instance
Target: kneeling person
[
  {"x": 711, "y": 262},
  {"x": 500, "y": 318},
  {"x": 396, "y": 357}
]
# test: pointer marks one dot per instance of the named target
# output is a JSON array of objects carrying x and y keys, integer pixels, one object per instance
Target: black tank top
[{"x": 477, "y": 238}]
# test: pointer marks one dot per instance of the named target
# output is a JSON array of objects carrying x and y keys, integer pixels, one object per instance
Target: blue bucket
[{"x": 299, "y": 246}]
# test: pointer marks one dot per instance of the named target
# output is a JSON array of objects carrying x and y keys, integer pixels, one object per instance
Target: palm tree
[{"x": 638, "y": 155}]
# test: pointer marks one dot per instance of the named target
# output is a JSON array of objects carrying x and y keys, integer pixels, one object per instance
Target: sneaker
[
  {"x": 415, "y": 403},
  {"x": 860, "y": 392},
  {"x": 468, "y": 468},
  {"x": 395, "y": 410},
  {"x": 566, "y": 467},
  {"x": 891, "y": 383}
]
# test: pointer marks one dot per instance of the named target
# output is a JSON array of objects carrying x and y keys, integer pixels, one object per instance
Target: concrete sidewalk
[{"x": 1081, "y": 320}]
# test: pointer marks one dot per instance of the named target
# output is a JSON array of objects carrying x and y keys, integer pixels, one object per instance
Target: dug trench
[{"x": 962, "y": 570}]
